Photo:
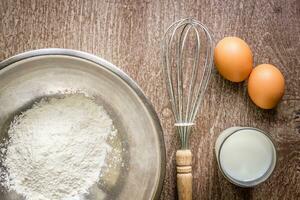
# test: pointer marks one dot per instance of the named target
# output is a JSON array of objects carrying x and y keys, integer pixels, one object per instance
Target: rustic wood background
[{"x": 128, "y": 33}]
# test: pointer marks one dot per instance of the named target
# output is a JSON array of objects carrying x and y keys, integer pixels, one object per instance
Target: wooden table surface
[{"x": 128, "y": 34}]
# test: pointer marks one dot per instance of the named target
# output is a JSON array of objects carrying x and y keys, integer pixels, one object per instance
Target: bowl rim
[{"x": 117, "y": 71}]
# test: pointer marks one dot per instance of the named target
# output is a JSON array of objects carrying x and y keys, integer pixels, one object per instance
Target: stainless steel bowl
[{"x": 29, "y": 76}]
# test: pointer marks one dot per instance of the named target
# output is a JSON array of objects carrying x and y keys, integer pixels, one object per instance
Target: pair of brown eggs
[{"x": 234, "y": 61}]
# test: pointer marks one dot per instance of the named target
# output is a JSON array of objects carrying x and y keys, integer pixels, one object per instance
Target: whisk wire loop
[{"x": 185, "y": 106}]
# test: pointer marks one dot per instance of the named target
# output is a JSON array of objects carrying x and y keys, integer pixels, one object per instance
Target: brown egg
[
  {"x": 266, "y": 86},
  {"x": 233, "y": 59}
]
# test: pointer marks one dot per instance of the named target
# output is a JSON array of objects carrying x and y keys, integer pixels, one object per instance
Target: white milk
[{"x": 246, "y": 156}]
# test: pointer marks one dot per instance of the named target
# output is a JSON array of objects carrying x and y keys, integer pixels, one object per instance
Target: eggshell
[
  {"x": 233, "y": 59},
  {"x": 266, "y": 86}
]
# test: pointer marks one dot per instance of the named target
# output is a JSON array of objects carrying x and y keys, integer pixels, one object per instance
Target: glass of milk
[{"x": 246, "y": 156}]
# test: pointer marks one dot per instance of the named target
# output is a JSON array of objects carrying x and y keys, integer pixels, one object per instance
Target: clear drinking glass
[{"x": 246, "y": 156}]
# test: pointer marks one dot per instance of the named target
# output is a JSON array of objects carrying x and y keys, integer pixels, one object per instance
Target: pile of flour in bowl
[{"x": 57, "y": 148}]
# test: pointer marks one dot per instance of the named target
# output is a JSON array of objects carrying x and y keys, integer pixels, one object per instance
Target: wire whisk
[{"x": 187, "y": 52}]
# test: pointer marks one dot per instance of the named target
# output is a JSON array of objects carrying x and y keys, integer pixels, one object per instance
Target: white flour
[{"x": 57, "y": 148}]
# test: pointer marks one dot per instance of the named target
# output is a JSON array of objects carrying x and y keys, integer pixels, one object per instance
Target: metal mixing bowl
[{"x": 30, "y": 76}]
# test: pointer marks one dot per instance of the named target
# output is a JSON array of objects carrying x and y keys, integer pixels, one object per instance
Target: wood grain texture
[{"x": 128, "y": 33}]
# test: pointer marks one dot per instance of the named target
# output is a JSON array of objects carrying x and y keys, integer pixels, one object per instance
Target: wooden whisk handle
[{"x": 184, "y": 174}]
